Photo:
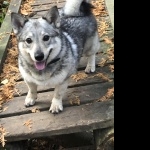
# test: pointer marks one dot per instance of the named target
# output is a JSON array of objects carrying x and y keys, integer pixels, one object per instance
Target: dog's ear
[
  {"x": 17, "y": 22},
  {"x": 52, "y": 16}
]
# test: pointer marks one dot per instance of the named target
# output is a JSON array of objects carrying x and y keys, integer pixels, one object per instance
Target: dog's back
[
  {"x": 81, "y": 25},
  {"x": 84, "y": 22}
]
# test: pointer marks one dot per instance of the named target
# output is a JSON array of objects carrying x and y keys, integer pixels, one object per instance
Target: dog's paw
[
  {"x": 56, "y": 106},
  {"x": 89, "y": 69},
  {"x": 29, "y": 102}
]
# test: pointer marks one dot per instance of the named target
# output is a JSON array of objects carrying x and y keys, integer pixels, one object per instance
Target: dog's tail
[{"x": 74, "y": 7}]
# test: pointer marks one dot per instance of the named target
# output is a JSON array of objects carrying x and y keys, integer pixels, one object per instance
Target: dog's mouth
[{"x": 40, "y": 65}]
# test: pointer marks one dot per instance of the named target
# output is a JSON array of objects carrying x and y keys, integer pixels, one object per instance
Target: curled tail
[{"x": 75, "y": 7}]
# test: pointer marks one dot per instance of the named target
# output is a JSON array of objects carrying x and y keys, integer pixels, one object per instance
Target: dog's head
[{"x": 38, "y": 39}]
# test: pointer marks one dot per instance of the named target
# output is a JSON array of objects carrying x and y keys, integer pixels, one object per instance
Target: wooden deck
[{"x": 81, "y": 112}]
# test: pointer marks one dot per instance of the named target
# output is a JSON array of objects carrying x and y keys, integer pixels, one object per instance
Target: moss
[{"x": 3, "y": 9}]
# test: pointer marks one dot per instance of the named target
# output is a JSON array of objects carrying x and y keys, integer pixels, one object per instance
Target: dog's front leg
[
  {"x": 59, "y": 92},
  {"x": 32, "y": 94}
]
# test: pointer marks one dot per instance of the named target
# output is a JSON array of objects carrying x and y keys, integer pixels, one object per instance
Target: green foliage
[{"x": 3, "y": 9}]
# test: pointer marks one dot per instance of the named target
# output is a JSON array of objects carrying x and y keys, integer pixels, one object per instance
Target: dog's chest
[{"x": 46, "y": 78}]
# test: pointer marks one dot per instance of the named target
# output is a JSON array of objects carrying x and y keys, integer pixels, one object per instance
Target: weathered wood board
[
  {"x": 72, "y": 119},
  {"x": 85, "y": 94},
  {"x": 44, "y": 2},
  {"x": 45, "y": 7},
  {"x": 6, "y": 29}
]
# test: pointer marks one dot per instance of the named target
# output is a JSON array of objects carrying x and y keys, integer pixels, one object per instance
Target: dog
[{"x": 50, "y": 48}]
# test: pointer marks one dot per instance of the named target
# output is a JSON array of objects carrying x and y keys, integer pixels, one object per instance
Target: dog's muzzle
[
  {"x": 39, "y": 56},
  {"x": 40, "y": 64}
]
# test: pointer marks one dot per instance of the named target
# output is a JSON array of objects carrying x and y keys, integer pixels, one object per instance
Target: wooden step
[
  {"x": 74, "y": 96},
  {"x": 73, "y": 119},
  {"x": 44, "y": 2}
]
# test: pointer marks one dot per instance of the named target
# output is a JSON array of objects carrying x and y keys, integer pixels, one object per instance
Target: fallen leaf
[
  {"x": 35, "y": 110},
  {"x": 79, "y": 76},
  {"x": 28, "y": 124},
  {"x": 108, "y": 41},
  {"x": 5, "y": 108},
  {"x": 109, "y": 95},
  {"x": 3, "y": 132},
  {"x": 111, "y": 67},
  {"x": 24, "y": 12},
  {"x": 102, "y": 76},
  {"x": 75, "y": 100},
  {"x": 4, "y": 81},
  {"x": 102, "y": 63}
]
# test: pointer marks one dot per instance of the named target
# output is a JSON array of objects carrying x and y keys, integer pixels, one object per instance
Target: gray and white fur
[{"x": 50, "y": 48}]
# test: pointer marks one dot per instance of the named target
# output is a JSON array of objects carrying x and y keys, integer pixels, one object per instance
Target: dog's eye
[
  {"x": 29, "y": 40},
  {"x": 46, "y": 37}
]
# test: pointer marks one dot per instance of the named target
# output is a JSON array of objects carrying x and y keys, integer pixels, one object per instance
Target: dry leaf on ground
[
  {"x": 108, "y": 95},
  {"x": 102, "y": 76},
  {"x": 99, "y": 9},
  {"x": 108, "y": 41},
  {"x": 35, "y": 110},
  {"x": 10, "y": 72},
  {"x": 111, "y": 67},
  {"x": 26, "y": 8},
  {"x": 28, "y": 124},
  {"x": 79, "y": 76},
  {"x": 102, "y": 62},
  {"x": 75, "y": 100},
  {"x": 3, "y": 132},
  {"x": 4, "y": 81},
  {"x": 5, "y": 108}
]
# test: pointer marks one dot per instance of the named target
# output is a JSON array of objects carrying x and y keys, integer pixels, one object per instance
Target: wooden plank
[
  {"x": 85, "y": 94},
  {"x": 43, "y": 7},
  {"x": 6, "y": 29},
  {"x": 39, "y": 2},
  {"x": 91, "y": 78},
  {"x": 73, "y": 119},
  {"x": 90, "y": 147},
  {"x": 42, "y": 12},
  {"x": 106, "y": 18},
  {"x": 109, "y": 5}
]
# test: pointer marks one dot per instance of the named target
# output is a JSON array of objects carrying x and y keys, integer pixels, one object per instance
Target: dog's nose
[{"x": 39, "y": 56}]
